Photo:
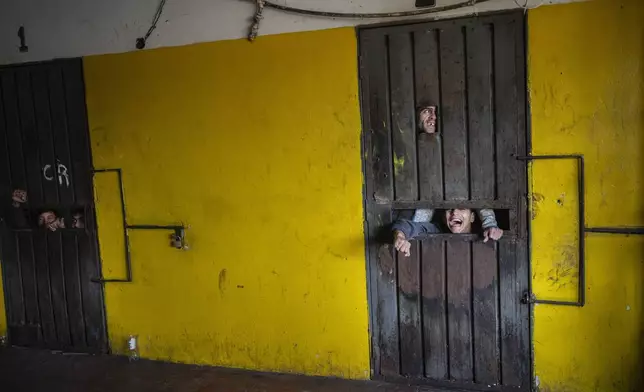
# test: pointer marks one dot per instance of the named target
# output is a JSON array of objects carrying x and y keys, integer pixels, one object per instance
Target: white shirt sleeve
[{"x": 423, "y": 215}]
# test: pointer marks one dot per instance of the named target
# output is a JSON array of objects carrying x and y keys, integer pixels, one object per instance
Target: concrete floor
[{"x": 36, "y": 370}]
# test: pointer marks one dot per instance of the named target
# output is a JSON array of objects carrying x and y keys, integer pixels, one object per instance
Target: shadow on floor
[{"x": 35, "y": 370}]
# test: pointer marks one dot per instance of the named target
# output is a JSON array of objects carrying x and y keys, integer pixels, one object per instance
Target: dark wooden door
[
  {"x": 451, "y": 314},
  {"x": 50, "y": 297}
]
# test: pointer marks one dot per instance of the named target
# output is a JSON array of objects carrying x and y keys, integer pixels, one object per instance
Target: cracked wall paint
[{"x": 586, "y": 91}]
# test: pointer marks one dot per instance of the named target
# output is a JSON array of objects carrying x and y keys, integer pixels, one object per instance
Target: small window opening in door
[
  {"x": 438, "y": 217},
  {"x": 54, "y": 219}
]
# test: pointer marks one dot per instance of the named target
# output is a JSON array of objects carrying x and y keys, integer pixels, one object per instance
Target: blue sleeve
[{"x": 413, "y": 229}]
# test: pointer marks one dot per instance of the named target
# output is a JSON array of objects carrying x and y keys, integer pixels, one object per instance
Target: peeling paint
[
  {"x": 537, "y": 198},
  {"x": 399, "y": 164},
  {"x": 222, "y": 282}
]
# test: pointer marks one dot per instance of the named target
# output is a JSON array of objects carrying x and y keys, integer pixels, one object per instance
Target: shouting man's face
[
  {"x": 459, "y": 221},
  {"x": 427, "y": 119}
]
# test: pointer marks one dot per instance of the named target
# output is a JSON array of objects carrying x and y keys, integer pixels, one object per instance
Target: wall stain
[
  {"x": 537, "y": 198},
  {"x": 564, "y": 270},
  {"x": 338, "y": 119},
  {"x": 222, "y": 281},
  {"x": 335, "y": 254}
]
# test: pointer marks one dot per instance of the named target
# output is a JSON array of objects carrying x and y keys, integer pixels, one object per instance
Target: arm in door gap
[{"x": 456, "y": 221}]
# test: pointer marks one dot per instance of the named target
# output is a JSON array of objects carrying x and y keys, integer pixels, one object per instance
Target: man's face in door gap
[{"x": 459, "y": 221}]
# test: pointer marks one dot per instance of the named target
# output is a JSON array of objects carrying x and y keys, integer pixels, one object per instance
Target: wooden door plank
[
  {"x": 78, "y": 131},
  {"x": 514, "y": 317},
  {"x": 28, "y": 276},
  {"x": 523, "y": 344},
  {"x": 521, "y": 214},
  {"x": 12, "y": 279},
  {"x": 485, "y": 313},
  {"x": 47, "y": 323},
  {"x": 434, "y": 309},
  {"x": 73, "y": 290},
  {"x": 40, "y": 86},
  {"x": 371, "y": 225},
  {"x": 430, "y": 149},
  {"x": 388, "y": 312},
  {"x": 92, "y": 292},
  {"x": 403, "y": 130},
  {"x": 506, "y": 96},
  {"x": 58, "y": 295},
  {"x": 379, "y": 195},
  {"x": 18, "y": 178},
  {"x": 480, "y": 105},
  {"x": 52, "y": 313},
  {"x": 513, "y": 272},
  {"x": 29, "y": 136},
  {"x": 459, "y": 310},
  {"x": 60, "y": 132},
  {"x": 378, "y": 151},
  {"x": 454, "y": 124},
  {"x": 14, "y": 177},
  {"x": 411, "y": 338}
]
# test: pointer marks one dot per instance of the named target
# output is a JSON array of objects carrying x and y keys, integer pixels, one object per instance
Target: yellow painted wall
[
  {"x": 257, "y": 148},
  {"x": 586, "y": 88}
]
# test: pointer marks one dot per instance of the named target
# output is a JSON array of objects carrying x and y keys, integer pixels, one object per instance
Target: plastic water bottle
[{"x": 133, "y": 347}]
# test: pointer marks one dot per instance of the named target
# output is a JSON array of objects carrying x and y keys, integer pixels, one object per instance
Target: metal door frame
[{"x": 371, "y": 257}]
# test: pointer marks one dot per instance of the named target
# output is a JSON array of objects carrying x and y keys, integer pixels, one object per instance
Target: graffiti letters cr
[{"x": 61, "y": 173}]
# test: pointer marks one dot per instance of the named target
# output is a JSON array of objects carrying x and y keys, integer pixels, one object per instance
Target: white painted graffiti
[{"x": 61, "y": 173}]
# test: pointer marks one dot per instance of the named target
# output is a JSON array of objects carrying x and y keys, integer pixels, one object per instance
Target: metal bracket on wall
[
  {"x": 581, "y": 179},
  {"x": 177, "y": 237},
  {"x": 530, "y": 297}
]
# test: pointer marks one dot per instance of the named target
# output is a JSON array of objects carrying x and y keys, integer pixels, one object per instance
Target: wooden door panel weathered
[
  {"x": 52, "y": 301},
  {"x": 451, "y": 314}
]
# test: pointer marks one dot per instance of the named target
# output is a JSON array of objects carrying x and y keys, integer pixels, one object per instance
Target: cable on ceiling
[
  {"x": 526, "y": 6},
  {"x": 261, "y": 4},
  {"x": 259, "y": 15},
  {"x": 372, "y": 15},
  {"x": 140, "y": 42}
]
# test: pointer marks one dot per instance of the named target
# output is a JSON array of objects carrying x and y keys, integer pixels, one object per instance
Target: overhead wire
[
  {"x": 261, "y": 4},
  {"x": 370, "y": 15},
  {"x": 140, "y": 42},
  {"x": 526, "y": 6}
]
